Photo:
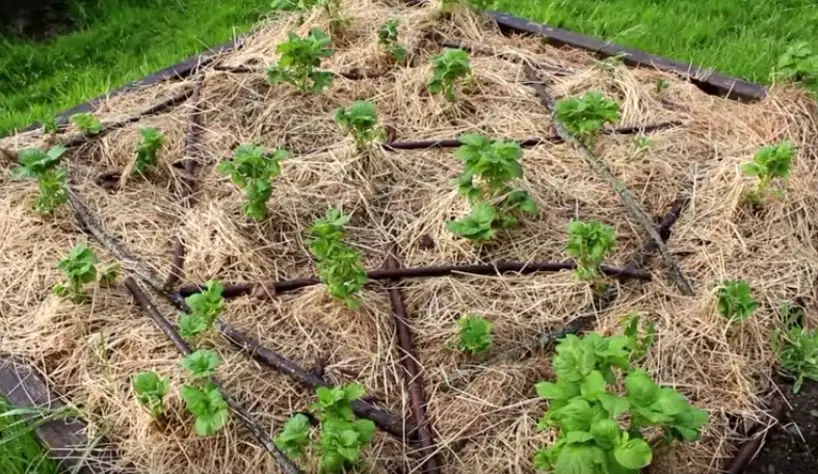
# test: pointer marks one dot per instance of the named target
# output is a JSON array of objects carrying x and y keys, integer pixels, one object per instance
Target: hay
[{"x": 89, "y": 352}]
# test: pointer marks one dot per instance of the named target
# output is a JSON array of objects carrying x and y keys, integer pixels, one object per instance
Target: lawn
[{"x": 20, "y": 451}]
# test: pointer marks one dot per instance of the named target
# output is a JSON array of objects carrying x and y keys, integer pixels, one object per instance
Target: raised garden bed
[{"x": 677, "y": 148}]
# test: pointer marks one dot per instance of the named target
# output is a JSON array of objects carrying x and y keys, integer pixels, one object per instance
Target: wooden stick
[
  {"x": 258, "y": 432},
  {"x": 602, "y": 169}
]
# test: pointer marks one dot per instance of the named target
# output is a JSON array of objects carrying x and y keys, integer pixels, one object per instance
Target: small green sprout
[
  {"x": 735, "y": 300},
  {"x": 339, "y": 265},
  {"x": 450, "y": 67},
  {"x": 661, "y": 85},
  {"x": 342, "y": 434},
  {"x": 643, "y": 142},
  {"x": 478, "y": 226},
  {"x": 798, "y": 63},
  {"x": 150, "y": 142},
  {"x": 203, "y": 398},
  {"x": 639, "y": 344},
  {"x": 797, "y": 352},
  {"x": 150, "y": 390},
  {"x": 770, "y": 163},
  {"x": 299, "y": 61},
  {"x": 295, "y": 436},
  {"x": 361, "y": 120},
  {"x": 474, "y": 334},
  {"x": 585, "y": 116},
  {"x": 253, "y": 170},
  {"x": 87, "y": 123},
  {"x": 204, "y": 308},
  {"x": 388, "y": 39},
  {"x": 80, "y": 268},
  {"x": 589, "y": 243},
  {"x": 51, "y": 180}
]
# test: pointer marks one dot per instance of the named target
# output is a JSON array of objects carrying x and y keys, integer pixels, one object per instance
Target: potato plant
[
  {"x": 589, "y": 413},
  {"x": 150, "y": 390},
  {"x": 150, "y": 142},
  {"x": 450, "y": 67},
  {"x": 339, "y": 265},
  {"x": 253, "y": 170},
  {"x": 300, "y": 60},
  {"x": 80, "y": 268},
  {"x": 202, "y": 398},
  {"x": 585, "y": 116},
  {"x": 342, "y": 435},
  {"x": 797, "y": 351},
  {"x": 51, "y": 179},
  {"x": 589, "y": 243},
  {"x": 638, "y": 343},
  {"x": 474, "y": 334},
  {"x": 87, "y": 123},
  {"x": 771, "y": 163},
  {"x": 388, "y": 39},
  {"x": 204, "y": 308},
  {"x": 735, "y": 300},
  {"x": 361, "y": 121}
]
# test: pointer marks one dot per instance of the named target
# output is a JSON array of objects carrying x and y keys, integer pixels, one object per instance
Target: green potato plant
[
  {"x": 478, "y": 226},
  {"x": 294, "y": 438},
  {"x": 639, "y": 343},
  {"x": 589, "y": 414},
  {"x": 202, "y": 398},
  {"x": 80, "y": 268},
  {"x": 797, "y": 351},
  {"x": 589, "y": 243},
  {"x": 150, "y": 141},
  {"x": 204, "y": 308},
  {"x": 585, "y": 116},
  {"x": 735, "y": 300},
  {"x": 87, "y": 123},
  {"x": 150, "y": 390},
  {"x": 51, "y": 179},
  {"x": 361, "y": 121},
  {"x": 474, "y": 334},
  {"x": 450, "y": 67},
  {"x": 339, "y": 265},
  {"x": 388, "y": 39},
  {"x": 299, "y": 61},
  {"x": 770, "y": 163},
  {"x": 254, "y": 170}
]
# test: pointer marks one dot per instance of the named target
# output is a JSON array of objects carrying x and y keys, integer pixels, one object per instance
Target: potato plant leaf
[
  {"x": 450, "y": 67},
  {"x": 150, "y": 141},
  {"x": 735, "y": 300},
  {"x": 388, "y": 39},
  {"x": 589, "y": 243},
  {"x": 361, "y": 121},
  {"x": 299, "y": 60},
  {"x": 295, "y": 436},
  {"x": 474, "y": 334},
  {"x": 202, "y": 363},
  {"x": 208, "y": 406},
  {"x": 585, "y": 116},
  {"x": 339, "y": 265},
  {"x": 150, "y": 390},
  {"x": 253, "y": 169}
]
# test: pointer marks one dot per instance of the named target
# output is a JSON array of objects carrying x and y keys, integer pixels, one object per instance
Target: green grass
[{"x": 20, "y": 452}]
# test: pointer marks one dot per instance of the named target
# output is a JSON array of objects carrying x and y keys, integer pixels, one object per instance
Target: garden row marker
[
  {"x": 605, "y": 173},
  {"x": 285, "y": 463}
]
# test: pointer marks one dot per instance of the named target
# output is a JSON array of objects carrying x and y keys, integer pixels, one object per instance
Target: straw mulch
[{"x": 90, "y": 351}]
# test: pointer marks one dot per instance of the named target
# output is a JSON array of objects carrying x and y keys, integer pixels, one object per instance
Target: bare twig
[
  {"x": 602, "y": 169},
  {"x": 259, "y": 433}
]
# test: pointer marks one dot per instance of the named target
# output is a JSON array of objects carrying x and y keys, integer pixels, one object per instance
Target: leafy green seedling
[
  {"x": 339, "y": 265},
  {"x": 388, "y": 39},
  {"x": 661, "y": 85},
  {"x": 478, "y": 226},
  {"x": 150, "y": 390},
  {"x": 639, "y": 344},
  {"x": 770, "y": 163},
  {"x": 589, "y": 243},
  {"x": 299, "y": 61},
  {"x": 589, "y": 414},
  {"x": 253, "y": 170},
  {"x": 450, "y": 67},
  {"x": 51, "y": 180},
  {"x": 203, "y": 398},
  {"x": 295, "y": 436},
  {"x": 797, "y": 352},
  {"x": 585, "y": 116},
  {"x": 87, "y": 123},
  {"x": 361, "y": 121},
  {"x": 736, "y": 301},
  {"x": 204, "y": 308},
  {"x": 150, "y": 142},
  {"x": 79, "y": 267},
  {"x": 643, "y": 142},
  {"x": 474, "y": 334},
  {"x": 342, "y": 434},
  {"x": 798, "y": 63}
]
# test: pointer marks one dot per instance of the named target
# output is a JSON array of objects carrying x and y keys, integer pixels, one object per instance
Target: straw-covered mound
[{"x": 90, "y": 351}]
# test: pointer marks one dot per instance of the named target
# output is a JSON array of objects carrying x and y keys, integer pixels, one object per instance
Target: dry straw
[{"x": 89, "y": 352}]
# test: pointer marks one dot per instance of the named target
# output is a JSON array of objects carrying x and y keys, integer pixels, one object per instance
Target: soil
[{"x": 792, "y": 446}]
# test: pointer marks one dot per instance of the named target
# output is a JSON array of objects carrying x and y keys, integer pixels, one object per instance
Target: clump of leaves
[
  {"x": 450, "y": 67},
  {"x": 361, "y": 120},
  {"x": 339, "y": 265},
  {"x": 202, "y": 397},
  {"x": 51, "y": 180},
  {"x": 150, "y": 141},
  {"x": 204, "y": 308},
  {"x": 87, "y": 123},
  {"x": 474, "y": 334},
  {"x": 798, "y": 63},
  {"x": 661, "y": 85},
  {"x": 388, "y": 39},
  {"x": 150, "y": 390},
  {"x": 585, "y": 116},
  {"x": 797, "y": 352},
  {"x": 295, "y": 436},
  {"x": 80, "y": 268},
  {"x": 643, "y": 142},
  {"x": 253, "y": 170},
  {"x": 299, "y": 61},
  {"x": 769, "y": 164},
  {"x": 736, "y": 301},
  {"x": 50, "y": 125},
  {"x": 589, "y": 414},
  {"x": 639, "y": 343},
  {"x": 478, "y": 226},
  {"x": 589, "y": 243}
]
